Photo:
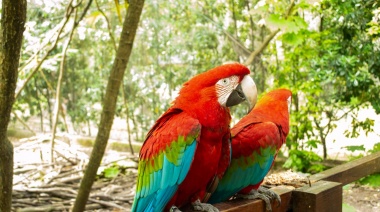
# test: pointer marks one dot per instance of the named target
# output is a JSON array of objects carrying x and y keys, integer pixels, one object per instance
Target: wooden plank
[
  {"x": 243, "y": 205},
  {"x": 322, "y": 196},
  {"x": 351, "y": 171}
]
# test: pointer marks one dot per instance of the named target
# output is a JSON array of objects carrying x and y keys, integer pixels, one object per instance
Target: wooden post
[{"x": 322, "y": 196}]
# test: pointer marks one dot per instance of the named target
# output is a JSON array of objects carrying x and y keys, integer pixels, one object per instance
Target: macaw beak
[{"x": 246, "y": 90}]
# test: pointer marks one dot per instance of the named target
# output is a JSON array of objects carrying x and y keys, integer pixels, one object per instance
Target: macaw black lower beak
[
  {"x": 236, "y": 97},
  {"x": 246, "y": 90}
]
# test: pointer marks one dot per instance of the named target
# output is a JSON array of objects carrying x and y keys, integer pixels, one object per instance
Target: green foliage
[
  {"x": 331, "y": 67},
  {"x": 86, "y": 142},
  {"x": 111, "y": 172},
  {"x": 292, "y": 38},
  {"x": 371, "y": 180},
  {"x": 361, "y": 150},
  {"x": 124, "y": 147},
  {"x": 348, "y": 208},
  {"x": 357, "y": 62},
  {"x": 376, "y": 148},
  {"x": 329, "y": 74},
  {"x": 374, "y": 27},
  {"x": 374, "y": 179},
  {"x": 355, "y": 148},
  {"x": 19, "y": 134},
  {"x": 304, "y": 161},
  {"x": 292, "y": 24}
]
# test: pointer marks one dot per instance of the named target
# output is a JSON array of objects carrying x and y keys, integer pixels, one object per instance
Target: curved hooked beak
[{"x": 246, "y": 90}]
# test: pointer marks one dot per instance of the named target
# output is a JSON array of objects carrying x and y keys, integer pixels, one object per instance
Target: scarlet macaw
[
  {"x": 189, "y": 145},
  {"x": 256, "y": 140}
]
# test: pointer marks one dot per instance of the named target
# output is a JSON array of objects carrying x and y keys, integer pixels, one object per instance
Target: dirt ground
[
  {"x": 361, "y": 198},
  {"x": 40, "y": 185}
]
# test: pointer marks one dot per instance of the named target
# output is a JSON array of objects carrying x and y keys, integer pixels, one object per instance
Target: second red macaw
[{"x": 256, "y": 140}]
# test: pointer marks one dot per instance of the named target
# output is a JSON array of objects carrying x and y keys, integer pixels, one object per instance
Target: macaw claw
[
  {"x": 174, "y": 209},
  {"x": 265, "y": 194},
  {"x": 199, "y": 206}
]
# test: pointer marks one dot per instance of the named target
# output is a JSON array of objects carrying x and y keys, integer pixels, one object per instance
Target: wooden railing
[{"x": 323, "y": 194}]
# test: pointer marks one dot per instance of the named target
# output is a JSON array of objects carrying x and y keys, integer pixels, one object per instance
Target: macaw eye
[
  {"x": 224, "y": 81},
  {"x": 224, "y": 87}
]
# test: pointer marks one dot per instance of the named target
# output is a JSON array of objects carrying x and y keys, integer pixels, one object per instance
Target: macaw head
[
  {"x": 277, "y": 101},
  {"x": 278, "y": 98},
  {"x": 224, "y": 86}
]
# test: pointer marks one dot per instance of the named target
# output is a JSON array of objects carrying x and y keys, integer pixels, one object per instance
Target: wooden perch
[
  {"x": 258, "y": 205},
  {"x": 323, "y": 194},
  {"x": 351, "y": 171}
]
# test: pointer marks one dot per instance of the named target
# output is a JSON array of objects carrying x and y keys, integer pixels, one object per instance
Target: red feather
[
  {"x": 198, "y": 99},
  {"x": 262, "y": 124}
]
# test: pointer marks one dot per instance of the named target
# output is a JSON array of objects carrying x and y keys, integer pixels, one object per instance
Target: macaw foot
[
  {"x": 265, "y": 194},
  {"x": 174, "y": 209},
  {"x": 271, "y": 194},
  {"x": 198, "y": 206}
]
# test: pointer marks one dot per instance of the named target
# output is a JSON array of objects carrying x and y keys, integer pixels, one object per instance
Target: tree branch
[
  {"x": 84, "y": 13},
  {"x": 54, "y": 45},
  {"x": 59, "y": 83},
  {"x": 108, "y": 26},
  {"x": 23, "y": 123},
  {"x": 131, "y": 21},
  {"x": 244, "y": 50},
  {"x": 266, "y": 41}
]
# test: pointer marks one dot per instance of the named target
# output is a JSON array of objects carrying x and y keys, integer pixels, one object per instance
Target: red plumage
[
  {"x": 198, "y": 99},
  {"x": 188, "y": 146},
  {"x": 256, "y": 139},
  {"x": 273, "y": 115}
]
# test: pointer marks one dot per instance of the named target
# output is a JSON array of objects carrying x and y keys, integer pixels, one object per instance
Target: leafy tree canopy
[{"x": 326, "y": 52}]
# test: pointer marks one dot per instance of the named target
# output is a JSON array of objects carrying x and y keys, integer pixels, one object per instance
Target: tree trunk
[
  {"x": 109, "y": 104},
  {"x": 13, "y": 18}
]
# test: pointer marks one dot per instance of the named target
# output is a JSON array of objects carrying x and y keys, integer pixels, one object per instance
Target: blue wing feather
[
  {"x": 241, "y": 178},
  {"x": 189, "y": 153},
  {"x": 250, "y": 169},
  {"x": 165, "y": 183},
  {"x": 162, "y": 173}
]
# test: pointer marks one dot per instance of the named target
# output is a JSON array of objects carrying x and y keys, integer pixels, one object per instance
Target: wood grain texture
[
  {"x": 351, "y": 171},
  {"x": 322, "y": 196},
  {"x": 243, "y": 205}
]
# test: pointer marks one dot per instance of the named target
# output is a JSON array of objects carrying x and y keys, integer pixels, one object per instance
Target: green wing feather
[{"x": 165, "y": 159}]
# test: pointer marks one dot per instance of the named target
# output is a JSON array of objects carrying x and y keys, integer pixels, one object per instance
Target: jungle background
[{"x": 327, "y": 52}]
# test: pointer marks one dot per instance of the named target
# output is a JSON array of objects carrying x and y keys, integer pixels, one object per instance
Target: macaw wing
[
  {"x": 165, "y": 159},
  {"x": 253, "y": 150}
]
